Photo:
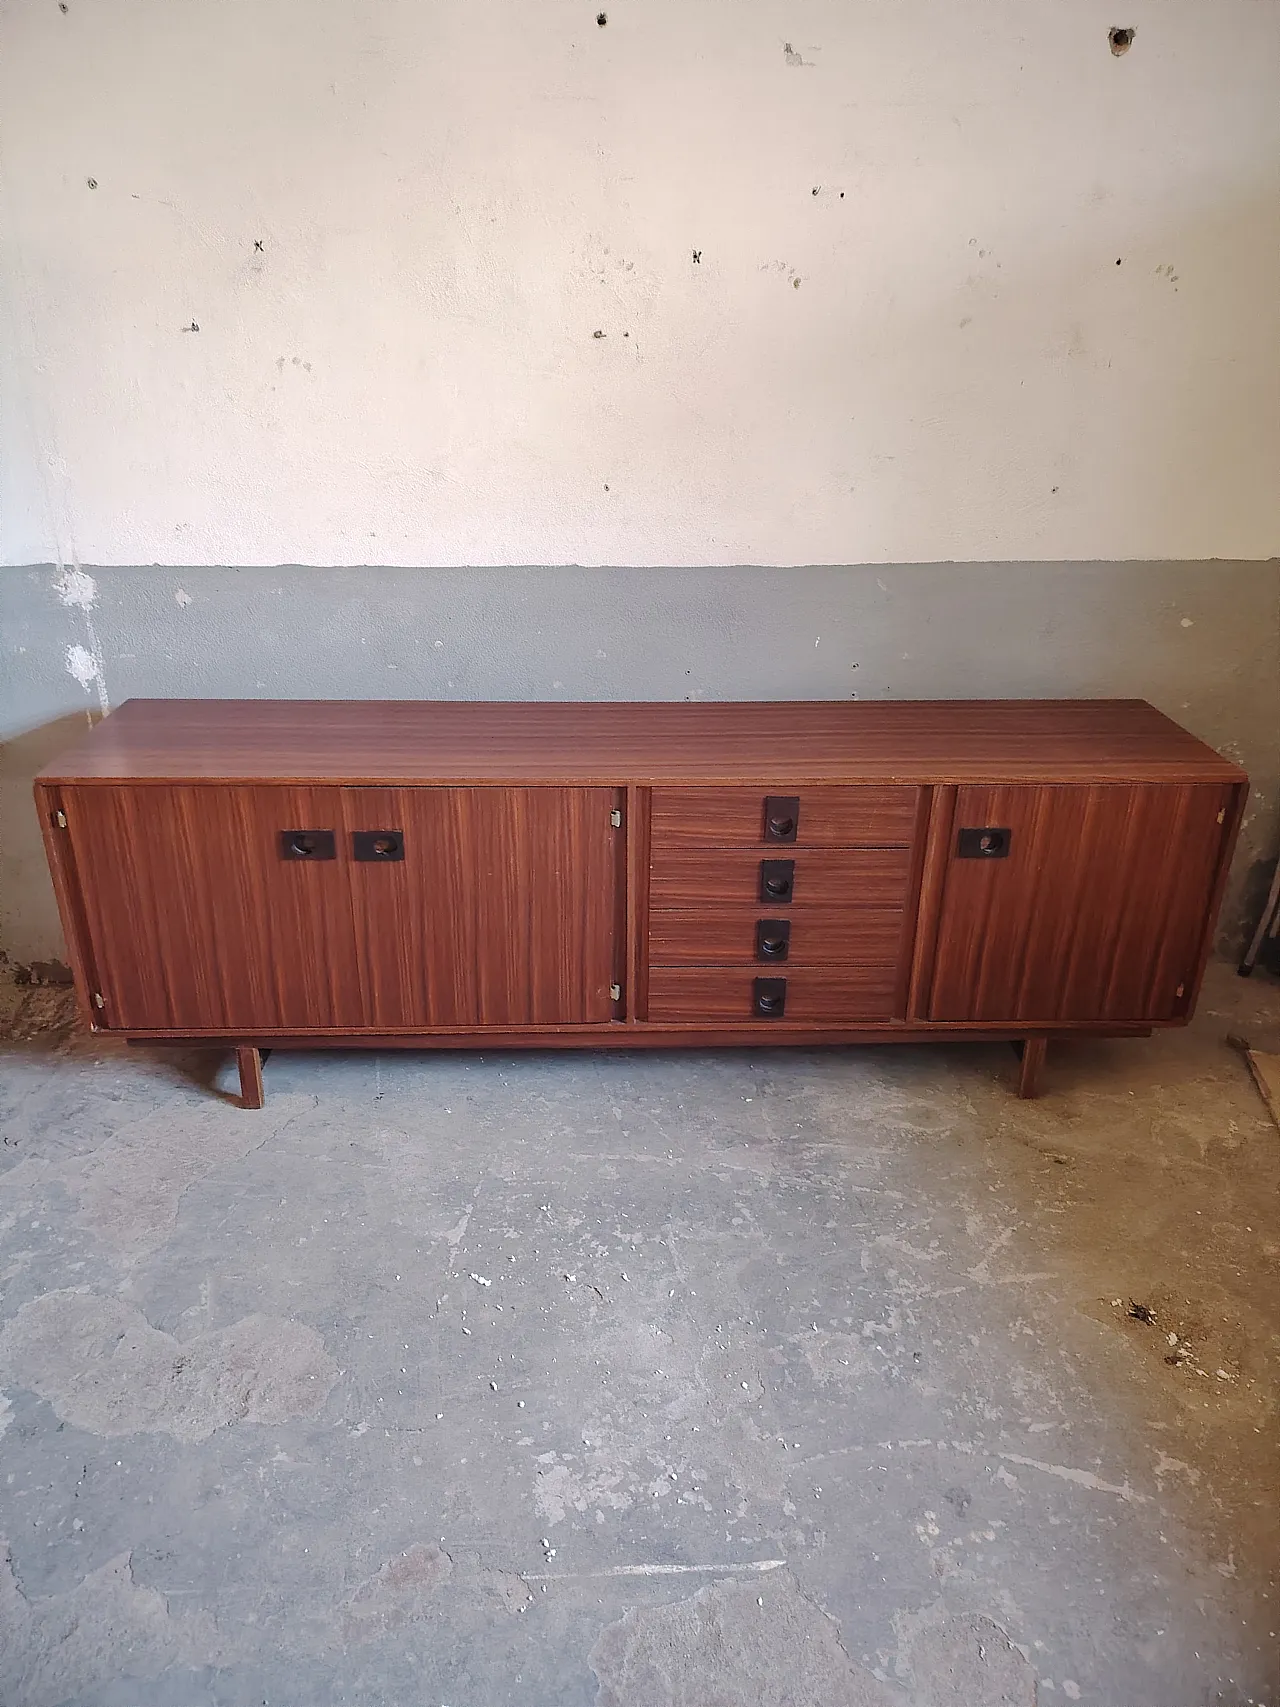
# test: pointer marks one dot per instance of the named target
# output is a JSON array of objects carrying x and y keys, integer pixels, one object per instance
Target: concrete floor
[{"x": 775, "y": 1379}]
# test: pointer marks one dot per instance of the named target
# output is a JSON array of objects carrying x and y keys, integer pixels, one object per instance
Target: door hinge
[
  {"x": 99, "y": 1001},
  {"x": 615, "y": 992},
  {"x": 615, "y": 818},
  {"x": 60, "y": 819},
  {"x": 1222, "y": 816}
]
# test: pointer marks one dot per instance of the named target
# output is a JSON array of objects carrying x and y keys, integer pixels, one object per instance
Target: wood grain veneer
[
  {"x": 820, "y": 936},
  {"x": 860, "y": 815},
  {"x": 500, "y": 913},
  {"x": 1098, "y": 912},
  {"x": 560, "y": 875},
  {"x": 775, "y": 747},
  {"x": 838, "y": 995},
  {"x": 824, "y": 877}
]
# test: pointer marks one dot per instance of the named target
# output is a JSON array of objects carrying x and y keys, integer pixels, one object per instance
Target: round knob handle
[
  {"x": 386, "y": 846},
  {"x": 773, "y": 945},
  {"x": 781, "y": 828},
  {"x": 768, "y": 1004},
  {"x": 778, "y": 885},
  {"x": 303, "y": 846}
]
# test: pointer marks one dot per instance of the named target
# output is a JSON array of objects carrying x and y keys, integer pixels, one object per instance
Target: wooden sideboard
[{"x": 444, "y": 874}]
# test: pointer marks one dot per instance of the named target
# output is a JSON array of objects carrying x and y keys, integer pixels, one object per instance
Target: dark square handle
[
  {"x": 307, "y": 844},
  {"x": 769, "y": 998},
  {"x": 777, "y": 880},
  {"x": 781, "y": 817},
  {"x": 989, "y": 843},
  {"x": 773, "y": 939},
  {"x": 378, "y": 845}
]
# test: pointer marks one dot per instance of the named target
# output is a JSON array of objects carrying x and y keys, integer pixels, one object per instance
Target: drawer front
[
  {"x": 818, "y": 936},
  {"x": 852, "y": 877},
  {"x": 839, "y": 995},
  {"x": 879, "y": 816}
]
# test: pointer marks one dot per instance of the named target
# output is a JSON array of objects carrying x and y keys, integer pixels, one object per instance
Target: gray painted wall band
[{"x": 1201, "y": 640}]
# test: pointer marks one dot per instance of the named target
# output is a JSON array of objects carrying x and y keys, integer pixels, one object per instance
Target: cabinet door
[
  {"x": 492, "y": 906},
  {"x": 1098, "y": 911},
  {"x": 196, "y": 920}
]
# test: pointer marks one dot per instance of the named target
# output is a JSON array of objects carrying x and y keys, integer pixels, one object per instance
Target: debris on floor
[
  {"x": 1266, "y": 1074},
  {"x": 38, "y": 1013}
]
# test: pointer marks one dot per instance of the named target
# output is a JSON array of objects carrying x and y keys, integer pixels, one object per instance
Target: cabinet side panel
[{"x": 67, "y": 892}]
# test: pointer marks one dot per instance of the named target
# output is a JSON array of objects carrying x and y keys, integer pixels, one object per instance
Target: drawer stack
[{"x": 779, "y": 906}]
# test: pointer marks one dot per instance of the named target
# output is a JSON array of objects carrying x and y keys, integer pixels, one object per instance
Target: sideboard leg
[
  {"x": 1032, "y": 1051},
  {"x": 249, "y": 1062}
]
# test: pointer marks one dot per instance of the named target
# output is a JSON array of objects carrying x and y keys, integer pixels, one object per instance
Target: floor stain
[
  {"x": 396, "y": 1594},
  {"x": 104, "y": 1368},
  {"x": 106, "y": 1629},
  {"x": 765, "y": 1643}
]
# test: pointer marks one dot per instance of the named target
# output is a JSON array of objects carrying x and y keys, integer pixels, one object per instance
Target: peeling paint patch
[
  {"x": 396, "y": 1594},
  {"x": 78, "y": 591},
  {"x": 560, "y": 1488},
  {"x": 82, "y": 664},
  {"x": 104, "y": 1368},
  {"x": 67, "y": 1646}
]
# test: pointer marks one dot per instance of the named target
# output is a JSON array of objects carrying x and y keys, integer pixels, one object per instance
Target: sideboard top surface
[{"x": 456, "y": 741}]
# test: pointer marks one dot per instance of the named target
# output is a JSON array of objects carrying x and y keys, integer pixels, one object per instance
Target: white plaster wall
[{"x": 936, "y": 356}]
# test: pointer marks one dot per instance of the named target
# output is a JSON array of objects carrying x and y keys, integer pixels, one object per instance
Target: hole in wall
[{"x": 1121, "y": 41}]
